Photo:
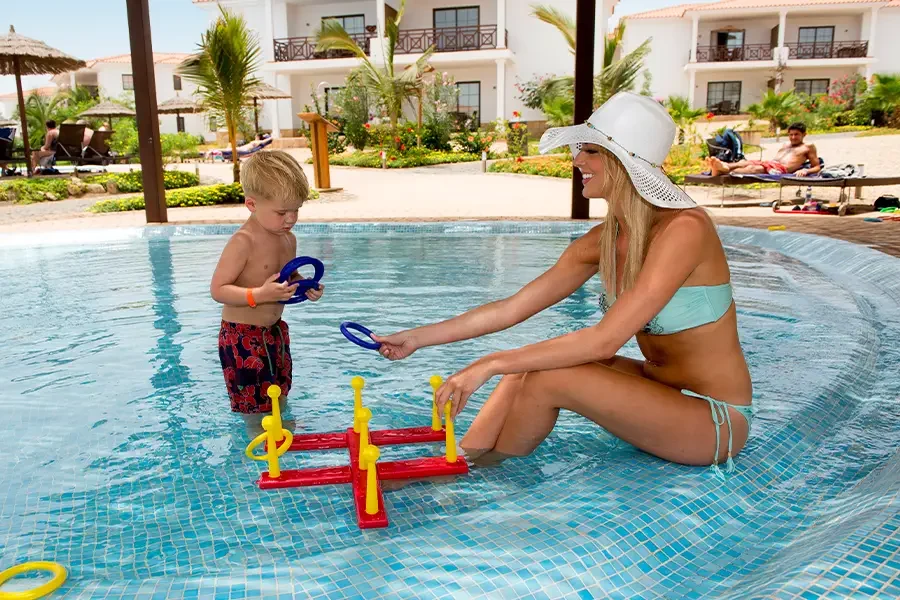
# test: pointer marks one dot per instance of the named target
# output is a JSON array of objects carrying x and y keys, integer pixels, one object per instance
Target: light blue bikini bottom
[{"x": 721, "y": 416}]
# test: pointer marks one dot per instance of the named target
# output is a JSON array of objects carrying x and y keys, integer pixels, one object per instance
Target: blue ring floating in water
[
  {"x": 304, "y": 284},
  {"x": 346, "y": 326}
]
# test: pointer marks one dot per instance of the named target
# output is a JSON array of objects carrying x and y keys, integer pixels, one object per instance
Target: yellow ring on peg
[
  {"x": 777, "y": 227},
  {"x": 59, "y": 577},
  {"x": 285, "y": 446}
]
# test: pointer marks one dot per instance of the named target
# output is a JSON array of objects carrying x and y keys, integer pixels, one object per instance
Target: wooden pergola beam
[
  {"x": 585, "y": 18},
  {"x": 145, "y": 106}
]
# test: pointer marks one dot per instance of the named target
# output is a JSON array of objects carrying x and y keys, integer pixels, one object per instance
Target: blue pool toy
[
  {"x": 346, "y": 326},
  {"x": 304, "y": 284}
]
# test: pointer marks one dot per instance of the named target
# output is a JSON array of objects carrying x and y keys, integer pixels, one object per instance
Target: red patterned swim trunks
[{"x": 253, "y": 358}]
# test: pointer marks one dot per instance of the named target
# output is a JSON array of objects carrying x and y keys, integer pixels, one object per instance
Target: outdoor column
[
  {"x": 782, "y": 26},
  {"x": 695, "y": 31},
  {"x": 585, "y": 19},
  {"x": 72, "y": 80},
  {"x": 501, "y": 88},
  {"x": 273, "y": 104},
  {"x": 269, "y": 40},
  {"x": 145, "y": 107},
  {"x": 872, "y": 28},
  {"x": 691, "y": 90},
  {"x": 501, "y": 24},
  {"x": 379, "y": 18}
]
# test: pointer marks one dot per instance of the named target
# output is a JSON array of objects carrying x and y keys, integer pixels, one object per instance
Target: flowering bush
[
  {"x": 352, "y": 103},
  {"x": 474, "y": 142},
  {"x": 440, "y": 97},
  {"x": 531, "y": 92},
  {"x": 517, "y": 136}
]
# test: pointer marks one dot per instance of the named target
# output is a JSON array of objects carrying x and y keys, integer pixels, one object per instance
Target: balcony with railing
[
  {"x": 409, "y": 41},
  {"x": 304, "y": 48},
  {"x": 447, "y": 39},
  {"x": 735, "y": 53},
  {"x": 810, "y": 50}
]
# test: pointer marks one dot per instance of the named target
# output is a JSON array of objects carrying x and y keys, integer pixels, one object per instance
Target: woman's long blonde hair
[{"x": 638, "y": 213}]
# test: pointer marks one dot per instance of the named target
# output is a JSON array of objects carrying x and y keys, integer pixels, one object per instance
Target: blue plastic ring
[
  {"x": 346, "y": 326},
  {"x": 304, "y": 284}
]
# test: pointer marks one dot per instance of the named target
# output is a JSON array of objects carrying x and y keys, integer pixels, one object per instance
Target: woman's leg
[
  {"x": 656, "y": 418},
  {"x": 485, "y": 429}
]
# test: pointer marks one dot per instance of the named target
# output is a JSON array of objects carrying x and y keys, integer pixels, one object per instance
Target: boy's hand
[
  {"x": 314, "y": 295},
  {"x": 272, "y": 291}
]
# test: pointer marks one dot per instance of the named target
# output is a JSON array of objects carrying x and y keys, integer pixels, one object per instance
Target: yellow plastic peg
[
  {"x": 274, "y": 393},
  {"x": 436, "y": 381},
  {"x": 357, "y": 383},
  {"x": 371, "y": 455},
  {"x": 364, "y": 415},
  {"x": 451, "y": 438}
]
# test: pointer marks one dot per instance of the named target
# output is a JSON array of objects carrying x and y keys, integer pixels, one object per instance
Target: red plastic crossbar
[{"x": 415, "y": 468}]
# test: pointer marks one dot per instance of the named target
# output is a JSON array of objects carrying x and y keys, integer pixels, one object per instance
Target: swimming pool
[{"x": 122, "y": 462}]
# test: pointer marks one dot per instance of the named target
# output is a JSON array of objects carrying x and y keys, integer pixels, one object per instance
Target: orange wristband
[{"x": 250, "y": 300}]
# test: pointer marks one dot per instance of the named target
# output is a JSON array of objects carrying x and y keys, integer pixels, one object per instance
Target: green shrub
[
  {"x": 29, "y": 191},
  {"x": 548, "y": 166},
  {"x": 208, "y": 195},
  {"x": 132, "y": 182},
  {"x": 414, "y": 157}
]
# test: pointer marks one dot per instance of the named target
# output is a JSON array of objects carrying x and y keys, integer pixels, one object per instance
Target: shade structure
[
  {"x": 178, "y": 105},
  {"x": 264, "y": 91},
  {"x": 108, "y": 109},
  {"x": 20, "y": 55}
]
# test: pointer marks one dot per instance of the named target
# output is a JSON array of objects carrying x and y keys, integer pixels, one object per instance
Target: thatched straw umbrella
[
  {"x": 264, "y": 91},
  {"x": 109, "y": 109},
  {"x": 19, "y": 56},
  {"x": 177, "y": 105}
]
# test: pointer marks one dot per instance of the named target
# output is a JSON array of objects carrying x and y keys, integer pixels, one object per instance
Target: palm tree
[
  {"x": 776, "y": 108},
  {"x": 615, "y": 76},
  {"x": 884, "y": 95},
  {"x": 39, "y": 110},
  {"x": 223, "y": 70},
  {"x": 391, "y": 88},
  {"x": 684, "y": 116}
]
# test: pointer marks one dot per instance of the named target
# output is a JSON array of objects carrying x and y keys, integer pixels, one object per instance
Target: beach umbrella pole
[
  {"x": 255, "y": 116},
  {"x": 22, "y": 115}
]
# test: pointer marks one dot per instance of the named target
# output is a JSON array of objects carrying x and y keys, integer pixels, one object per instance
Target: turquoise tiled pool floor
[{"x": 132, "y": 476}]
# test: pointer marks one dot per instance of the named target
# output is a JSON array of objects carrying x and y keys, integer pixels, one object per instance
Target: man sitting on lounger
[{"x": 789, "y": 159}]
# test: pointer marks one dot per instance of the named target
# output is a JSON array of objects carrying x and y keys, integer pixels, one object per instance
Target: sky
[{"x": 88, "y": 29}]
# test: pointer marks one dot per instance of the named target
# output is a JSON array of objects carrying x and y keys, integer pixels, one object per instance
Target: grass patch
[
  {"x": 879, "y": 131},
  {"x": 206, "y": 195},
  {"x": 412, "y": 158}
]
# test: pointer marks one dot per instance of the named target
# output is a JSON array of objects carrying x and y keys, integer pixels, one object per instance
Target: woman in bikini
[{"x": 665, "y": 280}]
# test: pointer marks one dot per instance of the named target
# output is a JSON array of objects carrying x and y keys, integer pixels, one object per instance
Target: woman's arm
[
  {"x": 576, "y": 265},
  {"x": 672, "y": 257}
]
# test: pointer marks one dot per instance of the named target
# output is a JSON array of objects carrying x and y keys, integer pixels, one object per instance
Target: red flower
[
  {"x": 519, "y": 159},
  {"x": 402, "y": 147},
  {"x": 710, "y": 115},
  {"x": 367, "y": 126}
]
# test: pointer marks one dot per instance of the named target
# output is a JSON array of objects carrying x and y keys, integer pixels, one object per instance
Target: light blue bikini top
[{"x": 691, "y": 306}]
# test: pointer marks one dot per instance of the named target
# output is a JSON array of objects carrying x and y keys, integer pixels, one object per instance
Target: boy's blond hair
[{"x": 274, "y": 175}]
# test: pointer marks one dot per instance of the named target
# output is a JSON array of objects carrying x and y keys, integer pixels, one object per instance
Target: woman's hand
[
  {"x": 396, "y": 346},
  {"x": 459, "y": 387}
]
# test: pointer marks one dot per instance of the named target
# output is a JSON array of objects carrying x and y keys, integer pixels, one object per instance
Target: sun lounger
[
  {"x": 97, "y": 151},
  {"x": 245, "y": 150}
]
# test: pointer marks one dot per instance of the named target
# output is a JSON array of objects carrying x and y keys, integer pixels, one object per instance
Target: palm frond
[
  {"x": 612, "y": 44},
  {"x": 621, "y": 74},
  {"x": 563, "y": 22},
  {"x": 333, "y": 36}
]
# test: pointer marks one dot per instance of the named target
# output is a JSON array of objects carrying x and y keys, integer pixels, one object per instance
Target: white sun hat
[{"x": 640, "y": 132}]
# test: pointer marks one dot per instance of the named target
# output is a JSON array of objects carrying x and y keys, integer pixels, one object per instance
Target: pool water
[{"x": 122, "y": 461}]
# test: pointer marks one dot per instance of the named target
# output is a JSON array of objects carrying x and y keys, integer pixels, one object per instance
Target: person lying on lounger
[{"x": 790, "y": 158}]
